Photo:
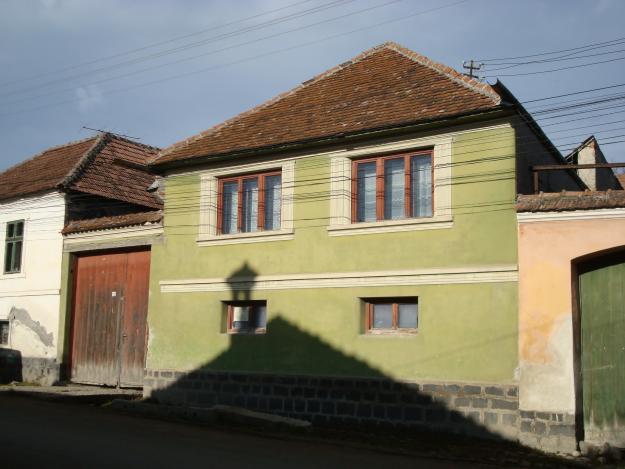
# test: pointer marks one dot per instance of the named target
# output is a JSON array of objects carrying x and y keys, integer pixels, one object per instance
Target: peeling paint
[{"x": 21, "y": 315}]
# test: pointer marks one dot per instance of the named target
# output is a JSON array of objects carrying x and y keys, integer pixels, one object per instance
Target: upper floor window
[
  {"x": 249, "y": 203},
  {"x": 392, "y": 187},
  {"x": 13, "y": 247}
]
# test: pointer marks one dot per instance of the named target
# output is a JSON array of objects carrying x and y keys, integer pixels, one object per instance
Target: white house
[{"x": 101, "y": 176}]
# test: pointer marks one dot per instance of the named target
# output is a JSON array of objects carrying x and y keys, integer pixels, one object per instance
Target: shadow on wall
[
  {"x": 10, "y": 365},
  {"x": 263, "y": 372}
]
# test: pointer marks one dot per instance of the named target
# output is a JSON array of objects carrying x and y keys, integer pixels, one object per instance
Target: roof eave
[{"x": 499, "y": 111}]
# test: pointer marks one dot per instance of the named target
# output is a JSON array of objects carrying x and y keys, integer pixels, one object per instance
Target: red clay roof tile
[
  {"x": 384, "y": 86},
  {"x": 117, "y": 221},
  {"x": 106, "y": 165},
  {"x": 565, "y": 201}
]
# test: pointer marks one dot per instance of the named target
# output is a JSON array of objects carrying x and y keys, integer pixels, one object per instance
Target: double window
[
  {"x": 13, "y": 247},
  {"x": 247, "y": 317},
  {"x": 392, "y": 187},
  {"x": 391, "y": 315},
  {"x": 249, "y": 203}
]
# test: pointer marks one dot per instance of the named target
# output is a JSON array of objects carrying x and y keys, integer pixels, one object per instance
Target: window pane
[
  {"x": 17, "y": 259},
  {"x": 230, "y": 202},
  {"x": 421, "y": 174},
  {"x": 260, "y": 317},
  {"x": 365, "y": 203},
  {"x": 4, "y": 332},
  {"x": 19, "y": 228},
  {"x": 241, "y": 317},
  {"x": 8, "y": 256},
  {"x": 382, "y": 316},
  {"x": 394, "y": 184},
  {"x": 250, "y": 205},
  {"x": 10, "y": 230},
  {"x": 408, "y": 316},
  {"x": 272, "y": 202}
]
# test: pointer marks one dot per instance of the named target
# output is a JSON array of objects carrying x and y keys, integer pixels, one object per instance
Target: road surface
[{"x": 41, "y": 434}]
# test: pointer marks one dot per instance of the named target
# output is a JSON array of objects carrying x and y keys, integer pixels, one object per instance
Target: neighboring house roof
[
  {"x": 383, "y": 87},
  {"x": 621, "y": 179},
  {"x": 107, "y": 165},
  {"x": 565, "y": 201},
  {"x": 570, "y": 158},
  {"x": 118, "y": 221},
  {"x": 43, "y": 171}
]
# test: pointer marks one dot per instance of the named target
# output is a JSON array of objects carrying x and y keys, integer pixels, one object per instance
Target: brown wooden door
[{"x": 109, "y": 318}]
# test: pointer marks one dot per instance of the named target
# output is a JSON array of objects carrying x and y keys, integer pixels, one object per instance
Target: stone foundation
[
  {"x": 548, "y": 431},
  {"x": 486, "y": 410}
]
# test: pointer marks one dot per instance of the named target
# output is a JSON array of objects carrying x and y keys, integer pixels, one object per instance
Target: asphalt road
[{"x": 42, "y": 434}]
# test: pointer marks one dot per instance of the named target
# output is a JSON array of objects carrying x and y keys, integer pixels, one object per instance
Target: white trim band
[
  {"x": 590, "y": 214},
  {"x": 442, "y": 276}
]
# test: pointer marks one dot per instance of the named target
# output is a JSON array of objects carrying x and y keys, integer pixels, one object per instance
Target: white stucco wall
[{"x": 30, "y": 299}]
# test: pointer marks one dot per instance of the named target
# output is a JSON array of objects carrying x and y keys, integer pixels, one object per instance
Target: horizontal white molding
[
  {"x": 382, "y": 278},
  {"x": 244, "y": 238},
  {"x": 17, "y": 294},
  {"x": 390, "y": 226},
  {"x": 590, "y": 214},
  {"x": 147, "y": 234}
]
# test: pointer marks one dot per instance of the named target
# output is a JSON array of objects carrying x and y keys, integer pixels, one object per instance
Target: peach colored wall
[{"x": 546, "y": 249}]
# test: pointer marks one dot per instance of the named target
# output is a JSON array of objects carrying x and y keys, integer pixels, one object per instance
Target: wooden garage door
[
  {"x": 109, "y": 318},
  {"x": 602, "y": 301}
]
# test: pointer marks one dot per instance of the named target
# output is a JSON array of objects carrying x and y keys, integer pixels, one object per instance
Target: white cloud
[{"x": 89, "y": 97}]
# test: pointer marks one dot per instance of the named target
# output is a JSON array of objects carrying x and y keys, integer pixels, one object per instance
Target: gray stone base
[
  {"x": 548, "y": 431},
  {"x": 485, "y": 410},
  {"x": 44, "y": 371}
]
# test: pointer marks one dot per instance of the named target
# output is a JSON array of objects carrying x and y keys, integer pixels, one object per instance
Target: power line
[
  {"x": 332, "y": 4},
  {"x": 153, "y": 45},
  {"x": 246, "y": 59},
  {"x": 554, "y": 52}
]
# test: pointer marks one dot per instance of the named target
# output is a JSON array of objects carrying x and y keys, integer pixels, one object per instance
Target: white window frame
[
  {"x": 209, "y": 187},
  {"x": 341, "y": 223}
]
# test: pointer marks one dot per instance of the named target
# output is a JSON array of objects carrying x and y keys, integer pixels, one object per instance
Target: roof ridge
[
  {"x": 470, "y": 83},
  {"x": 127, "y": 140},
  {"x": 56, "y": 147},
  {"x": 81, "y": 164}
]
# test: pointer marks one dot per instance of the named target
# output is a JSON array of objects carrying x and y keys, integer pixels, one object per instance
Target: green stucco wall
[{"x": 467, "y": 331}]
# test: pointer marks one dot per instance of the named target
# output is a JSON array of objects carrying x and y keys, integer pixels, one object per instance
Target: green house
[{"x": 347, "y": 251}]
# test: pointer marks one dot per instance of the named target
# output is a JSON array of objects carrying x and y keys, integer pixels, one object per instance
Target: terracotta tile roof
[
  {"x": 106, "y": 165},
  {"x": 382, "y": 87},
  {"x": 118, "y": 221},
  {"x": 621, "y": 179},
  {"x": 43, "y": 171},
  {"x": 564, "y": 201},
  {"x": 108, "y": 174}
]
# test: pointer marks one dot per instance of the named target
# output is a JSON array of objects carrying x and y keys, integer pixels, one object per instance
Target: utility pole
[{"x": 470, "y": 65}]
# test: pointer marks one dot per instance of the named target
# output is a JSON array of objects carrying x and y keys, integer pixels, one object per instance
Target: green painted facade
[{"x": 467, "y": 332}]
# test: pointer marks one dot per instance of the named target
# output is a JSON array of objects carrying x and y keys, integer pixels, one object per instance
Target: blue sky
[{"x": 50, "y": 90}]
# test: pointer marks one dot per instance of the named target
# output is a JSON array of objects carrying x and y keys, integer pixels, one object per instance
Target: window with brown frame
[
  {"x": 392, "y": 187},
  {"x": 249, "y": 203},
  {"x": 247, "y": 317},
  {"x": 388, "y": 315}
]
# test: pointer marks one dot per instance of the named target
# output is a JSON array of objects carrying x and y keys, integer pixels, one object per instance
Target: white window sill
[
  {"x": 389, "y": 226},
  {"x": 244, "y": 238},
  {"x": 13, "y": 276}
]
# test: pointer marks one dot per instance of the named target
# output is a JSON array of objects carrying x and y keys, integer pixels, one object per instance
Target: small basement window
[
  {"x": 247, "y": 317},
  {"x": 391, "y": 315},
  {"x": 4, "y": 332}
]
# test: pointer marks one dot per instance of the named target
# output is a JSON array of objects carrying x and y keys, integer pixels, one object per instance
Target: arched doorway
[{"x": 599, "y": 337}]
